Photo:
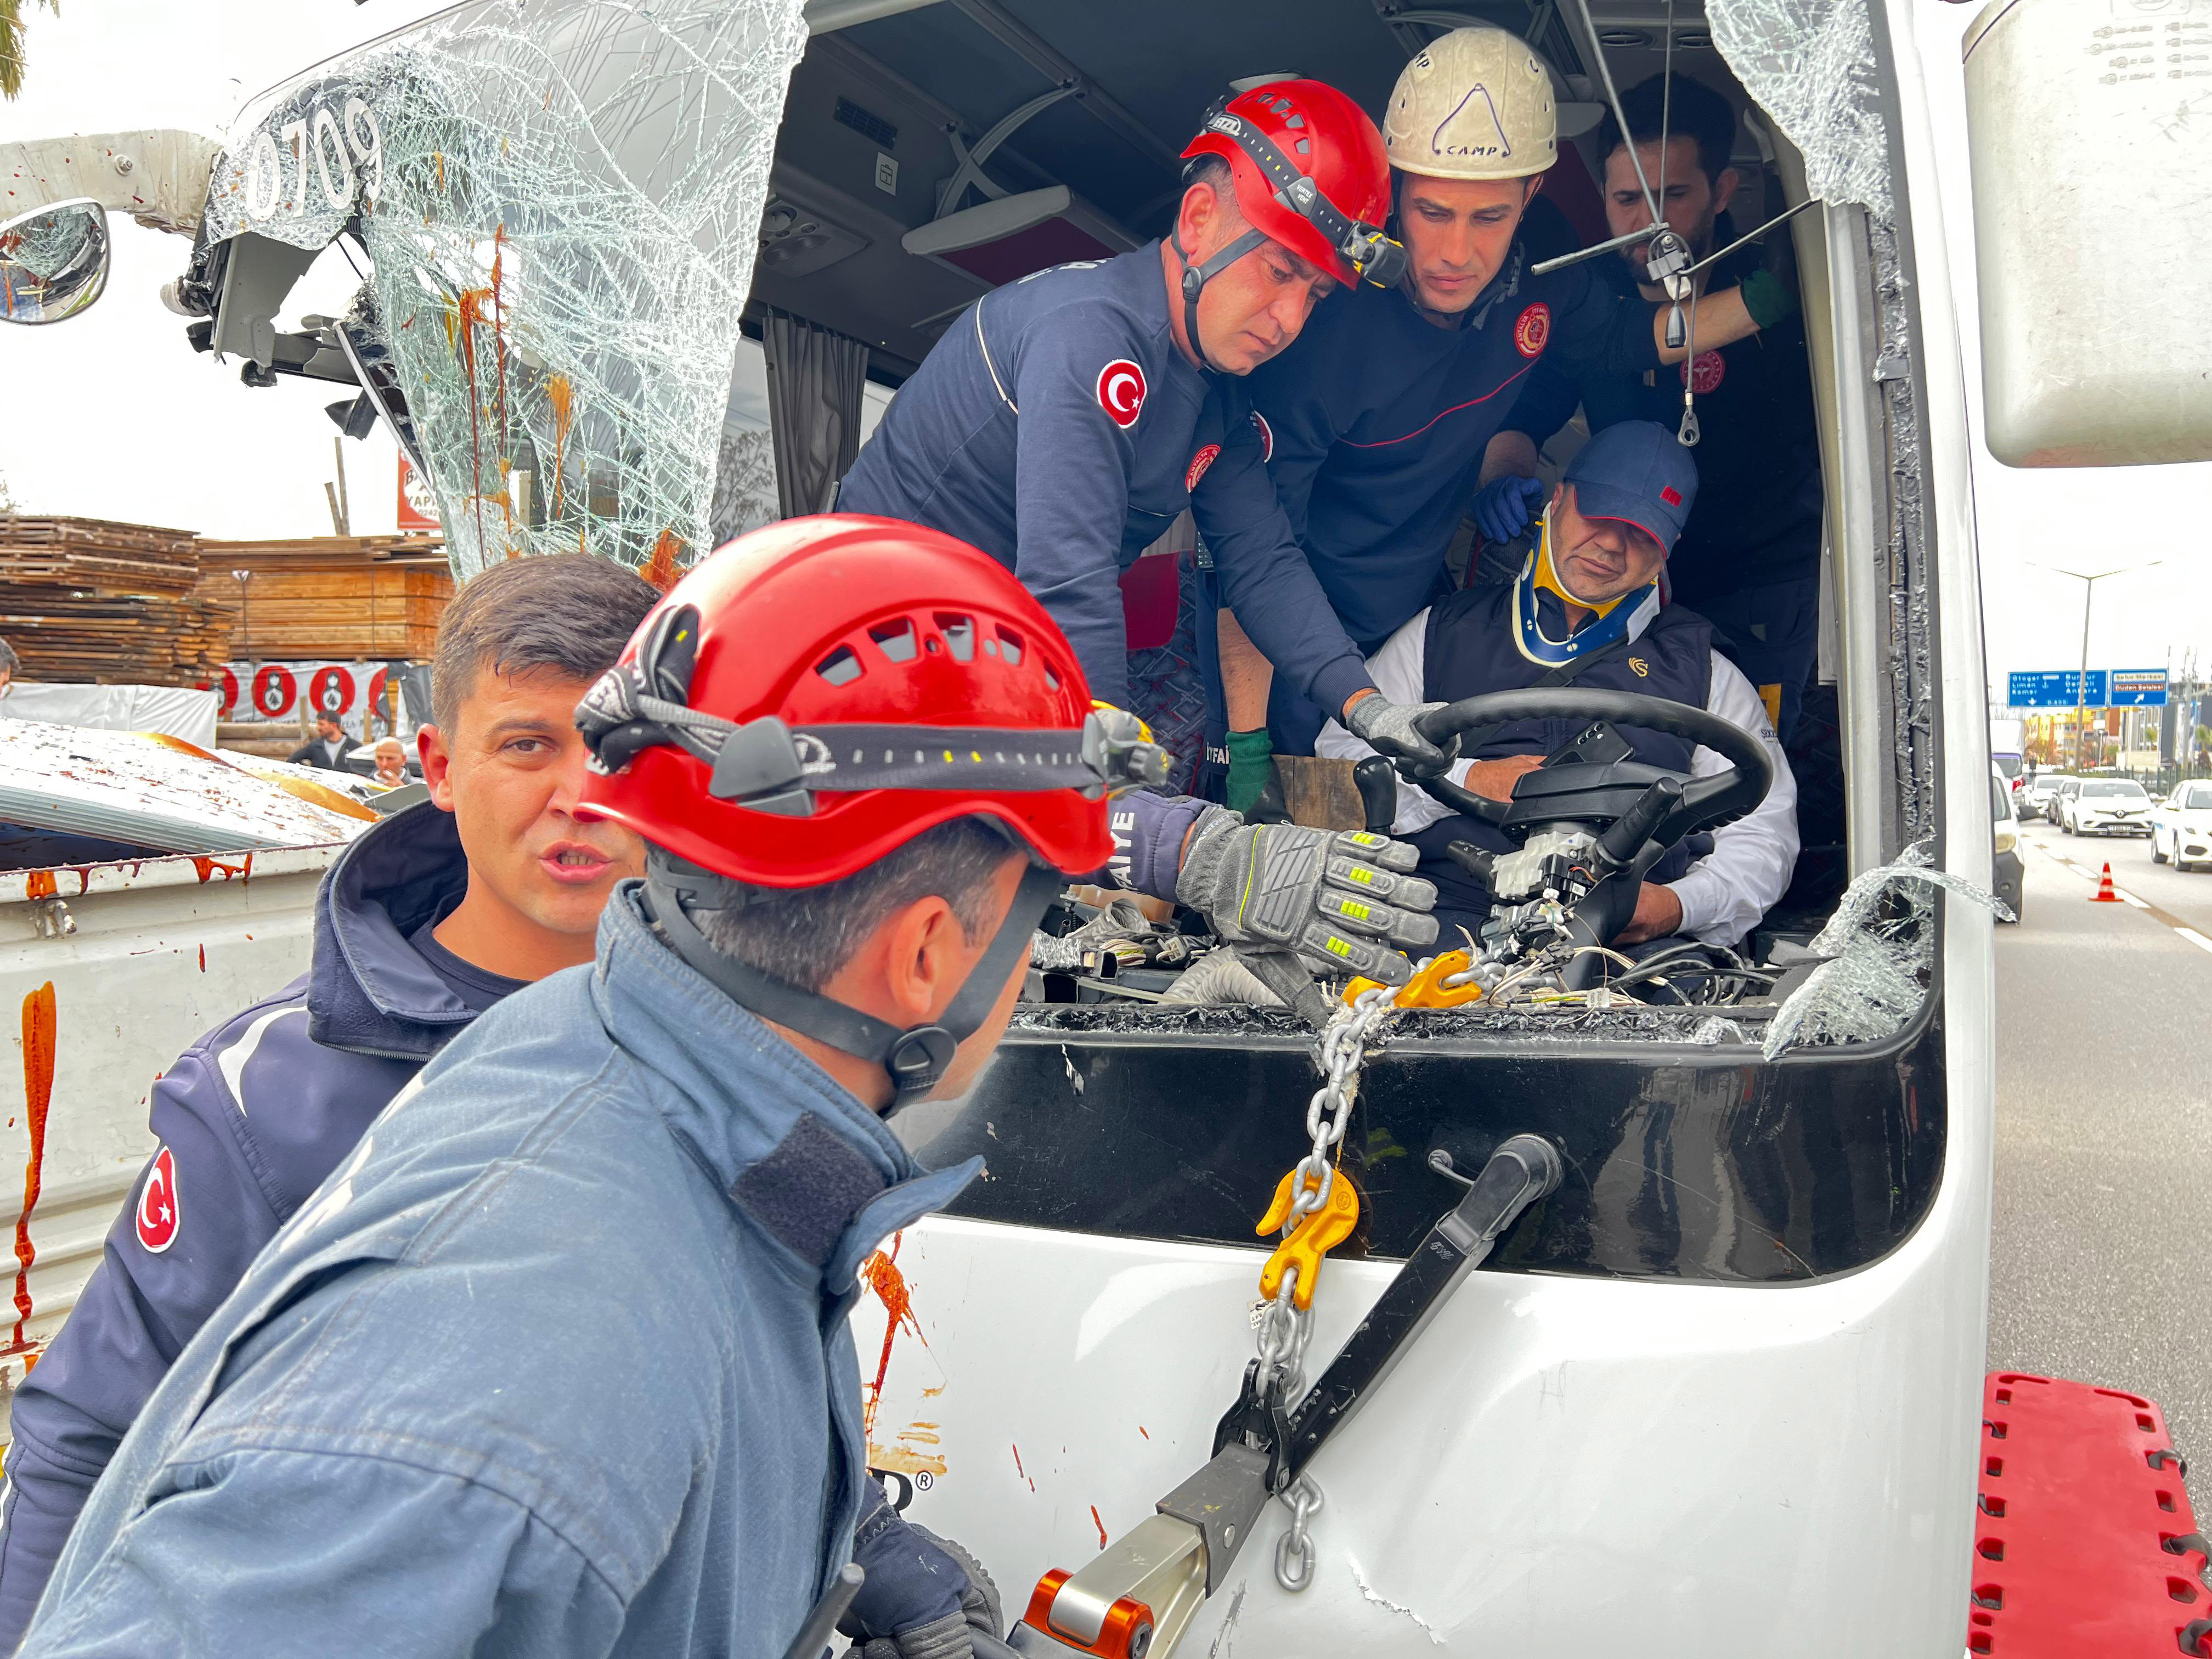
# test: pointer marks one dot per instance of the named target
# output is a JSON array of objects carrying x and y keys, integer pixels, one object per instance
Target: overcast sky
[{"x": 127, "y": 423}]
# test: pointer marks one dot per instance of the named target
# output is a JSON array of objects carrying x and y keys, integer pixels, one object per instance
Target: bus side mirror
[
  {"x": 53, "y": 262},
  {"x": 2086, "y": 132}
]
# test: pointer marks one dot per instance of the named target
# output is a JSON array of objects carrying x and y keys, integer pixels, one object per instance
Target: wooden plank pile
[
  {"x": 353, "y": 599},
  {"x": 85, "y": 601}
]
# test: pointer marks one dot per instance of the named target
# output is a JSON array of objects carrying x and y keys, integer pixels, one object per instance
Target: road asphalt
[{"x": 2099, "y": 1267}]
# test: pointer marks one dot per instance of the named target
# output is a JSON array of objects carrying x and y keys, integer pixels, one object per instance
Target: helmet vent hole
[
  {"x": 959, "y": 634},
  {"x": 897, "y": 640},
  {"x": 1305, "y": 146},
  {"x": 1051, "y": 679},
  {"x": 840, "y": 668},
  {"x": 1010, "y": 646}
]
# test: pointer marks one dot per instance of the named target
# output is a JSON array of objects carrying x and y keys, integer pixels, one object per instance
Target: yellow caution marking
[
  {"x": 1355, "y": 909},
  {"x": 1360, "y": 873},
  {"x": 1337, "y": 947}
]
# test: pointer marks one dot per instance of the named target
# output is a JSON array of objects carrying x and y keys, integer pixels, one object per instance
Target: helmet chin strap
[
  {"x": 915, "y": 1059},
  {"x": 1196, "y": 277}
]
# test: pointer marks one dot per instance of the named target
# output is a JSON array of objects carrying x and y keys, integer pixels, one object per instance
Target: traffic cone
[{"x": 2104, "y": 895}]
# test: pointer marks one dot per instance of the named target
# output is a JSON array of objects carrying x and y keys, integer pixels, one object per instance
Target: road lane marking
[{"x": 2165, "y": 918}]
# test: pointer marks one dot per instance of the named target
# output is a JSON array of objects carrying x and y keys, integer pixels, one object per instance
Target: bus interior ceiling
[{"x": 931, "y": 152}]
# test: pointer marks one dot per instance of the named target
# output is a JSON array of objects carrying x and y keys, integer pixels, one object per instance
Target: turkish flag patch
[
  {"x": 1199, "y": 463},
  {"x": 1671, "y": 495},
  {"x": 1266, "y": 437},
  {"x": 1532, "y": 329},
  {"x": 1122, "y": 391},
  {"x": 1704, "y": 373},
  {"x": 159, "y": 1210}
]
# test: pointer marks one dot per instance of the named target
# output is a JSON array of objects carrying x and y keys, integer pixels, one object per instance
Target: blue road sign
[
  {"x": 2138, "y": 688},
  {"x": 2054, "y": 687}
]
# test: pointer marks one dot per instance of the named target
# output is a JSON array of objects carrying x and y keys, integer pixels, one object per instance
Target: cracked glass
[{"x": 561, "y": 200}]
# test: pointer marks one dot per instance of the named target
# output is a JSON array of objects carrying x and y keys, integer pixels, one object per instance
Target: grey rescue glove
[
  {"x": 1343, "y": 900},
  {"x": 1388, "y": 729}
]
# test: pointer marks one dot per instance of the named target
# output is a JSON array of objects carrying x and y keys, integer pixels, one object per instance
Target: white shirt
[{"x": 1724, "y": 893}]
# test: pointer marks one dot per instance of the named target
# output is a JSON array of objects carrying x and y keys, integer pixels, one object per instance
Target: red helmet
[
  {"x": 1311, "y": 173},
  {"x": 823, "y": 691}
]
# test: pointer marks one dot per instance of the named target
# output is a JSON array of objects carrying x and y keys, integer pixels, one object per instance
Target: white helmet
[{"x": 1476, "y": 104}]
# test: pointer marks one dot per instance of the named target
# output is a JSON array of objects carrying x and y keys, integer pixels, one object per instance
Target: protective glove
[
  {"x": 1388, "y": 730},
  {"x": 1503, "y": 506},
  {"x": 969, "y": 1631},
  {"x": 1342, "y": 899},
  {"x": 1251, "y": 768},
  {"x": 1768, "y": 298}
]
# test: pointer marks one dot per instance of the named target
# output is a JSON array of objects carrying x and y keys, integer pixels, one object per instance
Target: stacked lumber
[
  {"x": 352, "y": 599},
  {"x": 92, "y": 553},
  {"x": 83, "y": 600}
]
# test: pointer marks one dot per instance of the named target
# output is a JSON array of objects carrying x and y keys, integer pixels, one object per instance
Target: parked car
[
  {"x": 2105, "y": 806},
  {"x": 2181, "y": 826},
  {"x": 2054, "y": 805},
  {"x": 2005, "y": 870},
  {"x": 2032, "y": 797}
]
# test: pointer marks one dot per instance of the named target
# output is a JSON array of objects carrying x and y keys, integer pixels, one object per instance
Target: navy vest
[{"x": 1469, "y": 651}]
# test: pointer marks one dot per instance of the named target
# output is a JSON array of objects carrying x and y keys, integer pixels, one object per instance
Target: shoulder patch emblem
[
  {"x": 1122, "y": 391},
  {"x": 1266, "y": 437},
  {"x": 159, "y": 1212},
  {"x": 1199, "y": 463},
  {"x": 1705, "y": 372},
  {"x": 1532, "y": 329},
  {"x": 1643, "y": 668}
]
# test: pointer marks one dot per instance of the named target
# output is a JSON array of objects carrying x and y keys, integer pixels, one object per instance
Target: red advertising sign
[
  {"x": 329, "y": 689},
  {"x": 275, "y": 692},
  {"x": 418, "y": 508}
]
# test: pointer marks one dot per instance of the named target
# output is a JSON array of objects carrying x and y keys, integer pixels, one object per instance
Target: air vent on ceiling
[
  {"x": 866, "y": 123},
  {"x": 796, "y": 241},
  {"x": 1622, "y": 38}
]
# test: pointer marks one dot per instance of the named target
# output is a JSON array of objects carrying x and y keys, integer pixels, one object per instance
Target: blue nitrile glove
[
  {"x": 1251, "y": 768},
  {"x": 1503, "y": 506}
]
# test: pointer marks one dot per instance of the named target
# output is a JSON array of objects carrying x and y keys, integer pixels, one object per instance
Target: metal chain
[{"x": 1284, "y": 1331}]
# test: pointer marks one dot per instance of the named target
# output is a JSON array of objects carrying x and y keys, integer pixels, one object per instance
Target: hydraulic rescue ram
[{"x": 1138, "y": 1597}]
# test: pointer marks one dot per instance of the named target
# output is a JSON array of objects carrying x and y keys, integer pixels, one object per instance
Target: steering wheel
[{"x": 1706, "y": 802}]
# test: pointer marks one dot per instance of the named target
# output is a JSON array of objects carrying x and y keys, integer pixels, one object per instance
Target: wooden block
[{"x": 1320, "y": 792}]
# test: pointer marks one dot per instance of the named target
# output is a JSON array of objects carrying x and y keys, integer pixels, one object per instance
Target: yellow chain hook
[
  {"x": 1427, "y": 989},
  {"x": 1316, "y": 1234}
]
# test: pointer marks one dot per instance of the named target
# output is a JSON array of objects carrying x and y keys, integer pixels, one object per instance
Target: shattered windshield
[{"x": 561, "y": 201}]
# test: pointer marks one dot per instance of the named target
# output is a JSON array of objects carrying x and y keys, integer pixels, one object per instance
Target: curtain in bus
[{"x": 814, "y": 381}]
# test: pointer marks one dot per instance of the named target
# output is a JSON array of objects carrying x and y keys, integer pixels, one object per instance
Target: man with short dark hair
[
  {"x": 1388, "y": 414},
  {"x": 1750, "y": 556},
  {"x": 427, "y": 919},
  {"x": 863, "y": 760},
  {"x": 1063, "y": 422},
  {"x": 326, "y": 750}
]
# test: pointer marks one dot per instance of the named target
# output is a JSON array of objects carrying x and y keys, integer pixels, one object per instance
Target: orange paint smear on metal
[
  {"x": 1018, "y": 1469},
  {"x": 881, "y": 1273},
  {"x": 1100, "y": 1525},
  {"x": 207, "y": 867},
  {"x": 1142, "y": 1430},
  {"x": 38, "y": 1028},
  {"x": 204, "y": 958},
  {"x": 40, "y": 884}
]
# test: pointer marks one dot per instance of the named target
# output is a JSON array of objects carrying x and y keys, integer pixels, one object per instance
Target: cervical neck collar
[{"x": 1624, "y": 616}]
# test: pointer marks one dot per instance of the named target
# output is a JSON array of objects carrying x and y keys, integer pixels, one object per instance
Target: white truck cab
[{"x": 1718, "y": 1390}]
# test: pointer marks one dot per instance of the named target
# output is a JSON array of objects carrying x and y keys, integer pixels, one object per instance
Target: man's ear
[
  {"x": 925, "y": 959},
  {"x": 1535, "y": 184},
  {"x": 1197, "y": 218},
  {"x": 430, "y": 746},
  {"x": 1724, "y": 188}
]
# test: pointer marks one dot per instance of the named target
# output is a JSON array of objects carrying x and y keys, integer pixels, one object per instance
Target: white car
[
  {"x": 2038, "y": 797},
  {"x": 2105, "y": 806},
  {"x": 2181, "y": 826}
]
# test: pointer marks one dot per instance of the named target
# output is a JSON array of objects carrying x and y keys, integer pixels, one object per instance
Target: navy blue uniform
[
  {"x": 1379, "y": 419},
  {"x": 252, "y": 1119},
  {"x": 1057, "y": 427},
  {"x": 1749, "y": 558}
]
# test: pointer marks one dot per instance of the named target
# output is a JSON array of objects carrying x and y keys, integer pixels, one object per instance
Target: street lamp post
[{"x": 2081, "y": 681}]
